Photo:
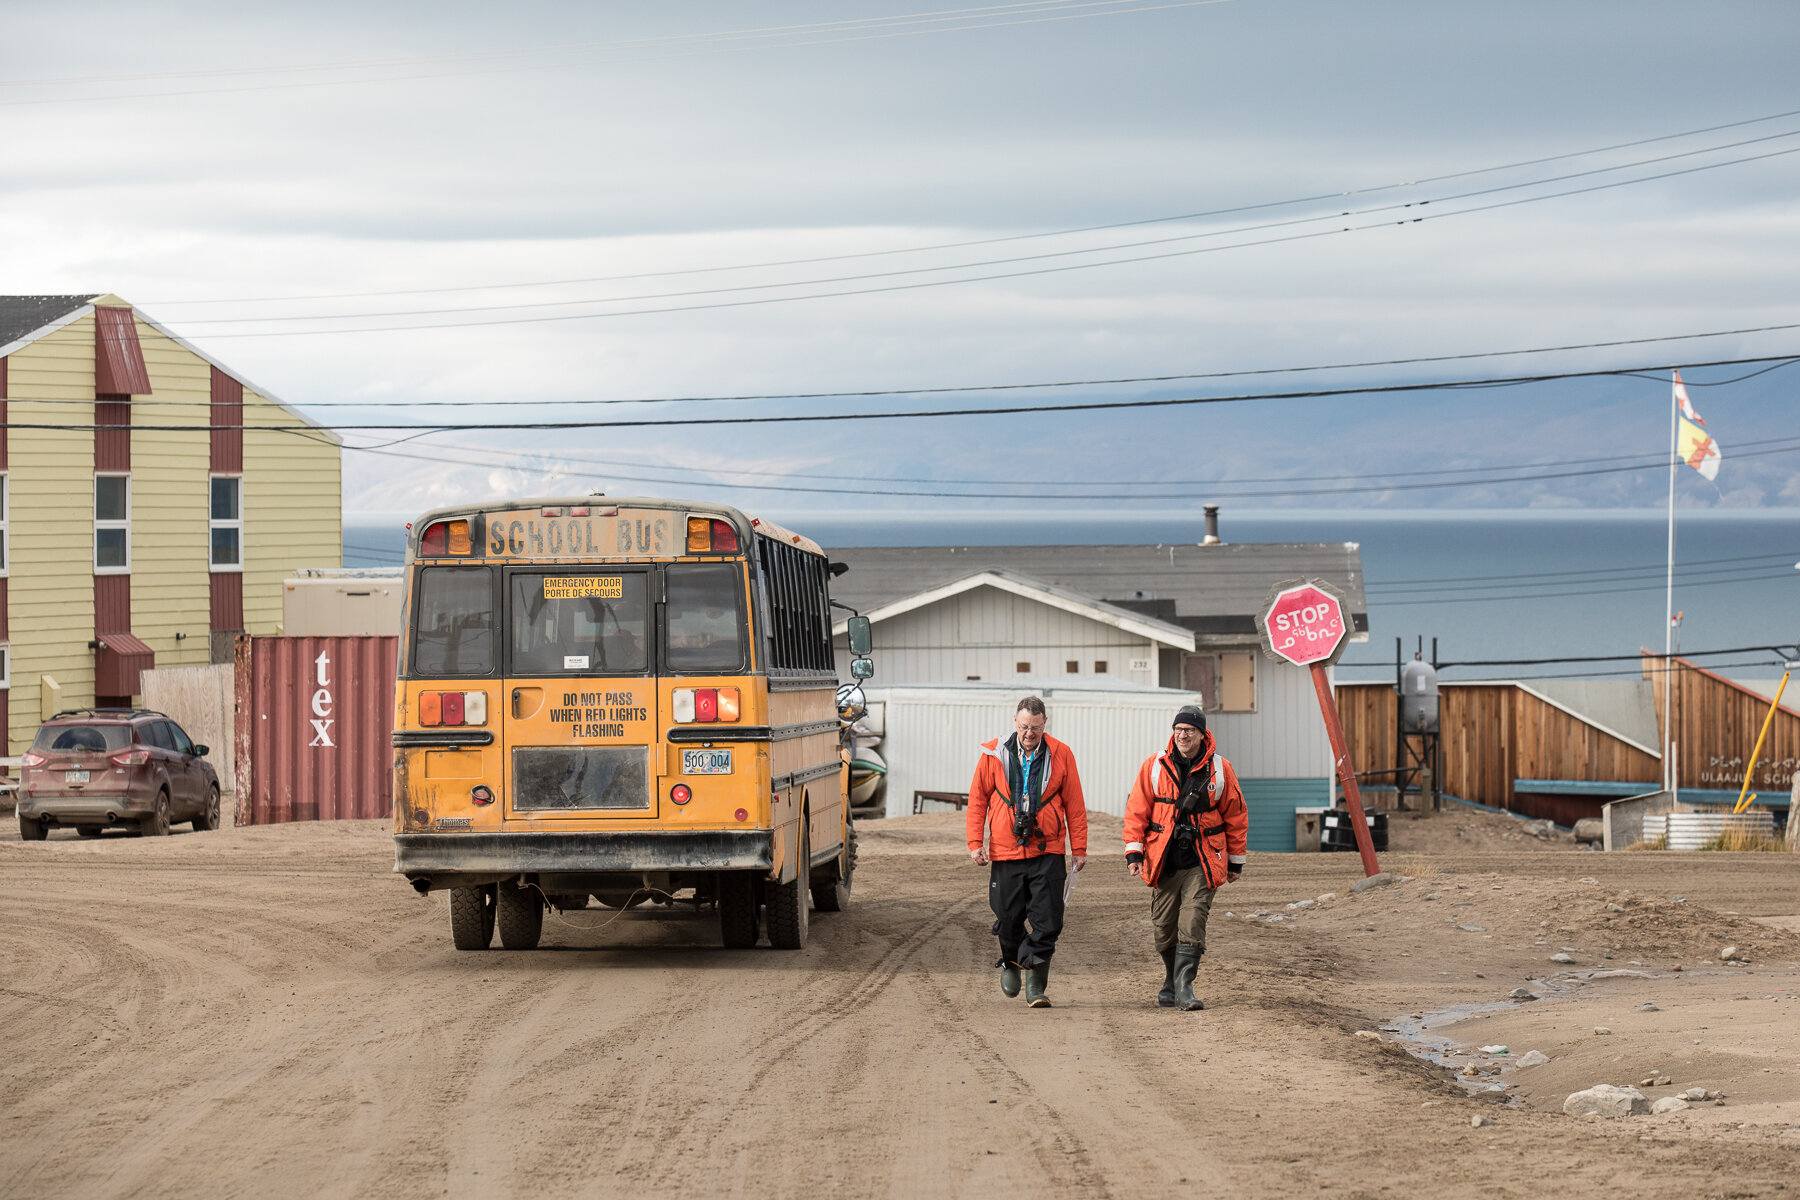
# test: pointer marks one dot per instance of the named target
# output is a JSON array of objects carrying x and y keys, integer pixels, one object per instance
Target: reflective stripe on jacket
[
  {"x": 1061, "y": 807},
  {"x": 1150, "y": 814}
]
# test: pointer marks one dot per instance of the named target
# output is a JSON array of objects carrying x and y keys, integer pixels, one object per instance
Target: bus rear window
[
  {"x": 591, "y": 623},
  {"x": 455, "y": 622},
  {"x": 705, "y": 618}
]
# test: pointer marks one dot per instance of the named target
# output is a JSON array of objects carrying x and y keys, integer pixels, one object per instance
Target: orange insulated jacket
[
  {"x": 1150, "y": 815},
  {"x": 1061, "y": 809}
]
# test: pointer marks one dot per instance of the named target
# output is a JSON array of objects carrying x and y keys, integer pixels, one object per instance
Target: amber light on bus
[
  {"x": 453, "y": 708},
  {"x": 709, "y": 535},
  {"x": 702, "y": 706},
  {"x": 445, "y": 537}
]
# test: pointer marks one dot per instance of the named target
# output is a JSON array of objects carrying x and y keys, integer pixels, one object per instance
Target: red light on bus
[
  {"x": 680, "y": 793},
  {"x": 445, "y": 537},
  {"x": 706, "y": 704},
  {"x": 742, "y": 814},
  {"x": 453, "y": 708},
  {"x": 481, "y": 794},
  {"x": 431, "y": 708},
  {"x": 724, "y": 538}
]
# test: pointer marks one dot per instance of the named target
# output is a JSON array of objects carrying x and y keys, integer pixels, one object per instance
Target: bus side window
[{"x": 454, "y": 622}]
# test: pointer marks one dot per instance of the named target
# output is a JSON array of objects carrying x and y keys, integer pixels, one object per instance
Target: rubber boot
[
  {"x": 1187, "y": 964},
  {"x": 1009, "y": 979},
  {"x": 1036, "y": 980},
  {"x": 1166, "y": 997}
]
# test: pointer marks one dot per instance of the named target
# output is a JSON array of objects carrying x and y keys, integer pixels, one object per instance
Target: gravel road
[{"x": 269, "y": 1011}]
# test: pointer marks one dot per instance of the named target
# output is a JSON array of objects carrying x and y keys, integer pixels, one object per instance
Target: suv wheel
[
  {"x": 157, "y": 823},
  {"x": 208, "y": 818},
  {"x": 31, "y": 829}
]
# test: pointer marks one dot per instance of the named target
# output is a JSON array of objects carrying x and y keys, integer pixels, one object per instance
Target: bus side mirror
[
  {"x": 859, "y": 638},
  {"x": 862, "y": 668}
]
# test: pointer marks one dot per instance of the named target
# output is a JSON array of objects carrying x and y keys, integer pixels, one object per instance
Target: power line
[
  {"x": 866, "y": 393},
  {"x": 984, "y": 278},
  {"x": 416, "y": 431},
  {"x": 1188, "y": 216}
]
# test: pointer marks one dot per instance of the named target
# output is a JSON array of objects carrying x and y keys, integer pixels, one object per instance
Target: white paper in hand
[{"x": 1069, "y": 887}]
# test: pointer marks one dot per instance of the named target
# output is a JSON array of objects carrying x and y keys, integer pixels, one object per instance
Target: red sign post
[{"x": 1303, "y": 622}]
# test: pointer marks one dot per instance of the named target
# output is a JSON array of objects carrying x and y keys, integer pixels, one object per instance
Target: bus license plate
[
  {"x": 75, "y": 776},
  {"x": 706, "y": 762}
]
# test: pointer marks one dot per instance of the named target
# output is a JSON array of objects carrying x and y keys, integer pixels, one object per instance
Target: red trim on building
[
  {"x": 227, "y": 600},
  {"x": 227, "y": 411},
  {"x": 5, "y": 635},
  {"x": 118, "y": 359},
  {"x": 112, "y": 433},
  {"x": 112, "y": 604},
  {"x": 119, "y": 665}
]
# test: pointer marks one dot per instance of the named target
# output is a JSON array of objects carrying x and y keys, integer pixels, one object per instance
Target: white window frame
[
  {"x": 110, "y": 524},
  {"x": 236, "y": 568},
  {"x": 5, "y": 666},
  {"x": 5, "y": 531}
]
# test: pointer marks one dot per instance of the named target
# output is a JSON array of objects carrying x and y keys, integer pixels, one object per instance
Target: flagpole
[{"x": 1669, "y": 783}]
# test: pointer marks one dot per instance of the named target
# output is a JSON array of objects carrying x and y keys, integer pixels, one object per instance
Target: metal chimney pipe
[{"x": 1212, "y": 526}]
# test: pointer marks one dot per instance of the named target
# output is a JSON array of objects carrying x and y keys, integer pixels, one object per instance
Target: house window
[
  {"x": 1023, "y": 668},
  {"x": 1071, "y": 667},
  {"x": 225, "y": 524},
  {"x": 112, "y": 524},
  {"x": 1099, "y": 666}
]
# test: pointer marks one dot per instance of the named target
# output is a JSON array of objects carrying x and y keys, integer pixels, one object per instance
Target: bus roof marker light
[
  {"x": 699, "y": 535},
  {"x": 580, "y": 510},
  {"x": 551, "y": 512}
]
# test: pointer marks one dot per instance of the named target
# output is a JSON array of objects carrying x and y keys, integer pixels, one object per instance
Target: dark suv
[{"x": 102, "y": 768}]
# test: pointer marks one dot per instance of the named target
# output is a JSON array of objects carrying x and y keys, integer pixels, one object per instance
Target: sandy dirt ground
[{"x": 271, "y": 1012}]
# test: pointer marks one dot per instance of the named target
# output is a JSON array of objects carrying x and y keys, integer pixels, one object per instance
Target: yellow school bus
[{"x": 621, "y": 700}]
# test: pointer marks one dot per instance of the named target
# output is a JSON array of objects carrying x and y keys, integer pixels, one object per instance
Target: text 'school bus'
[{"x": 621, "y": 699}]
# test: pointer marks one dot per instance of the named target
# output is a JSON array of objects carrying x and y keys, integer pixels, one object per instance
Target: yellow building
[{"x": 149, "y": 506}]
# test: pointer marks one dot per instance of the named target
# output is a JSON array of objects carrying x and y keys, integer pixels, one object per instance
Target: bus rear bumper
[{"x": 457, "y": 859}]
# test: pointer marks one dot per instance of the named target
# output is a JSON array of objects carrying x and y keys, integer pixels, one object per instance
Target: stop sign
[{"x": 1303, "y": 622}]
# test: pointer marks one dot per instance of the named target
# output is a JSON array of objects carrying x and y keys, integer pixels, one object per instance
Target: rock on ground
[
  {"x": 1605, "y": 1100},
  {"x": 1669, "y": 1104}
]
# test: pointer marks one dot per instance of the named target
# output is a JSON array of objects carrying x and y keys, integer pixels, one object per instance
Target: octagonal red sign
[{"x": 1303, "y": 623}]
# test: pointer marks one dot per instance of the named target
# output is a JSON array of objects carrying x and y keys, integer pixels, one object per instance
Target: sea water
[{"x": 1489, "y": 584}]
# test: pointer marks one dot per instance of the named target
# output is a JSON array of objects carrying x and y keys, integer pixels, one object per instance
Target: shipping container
[{"x": 314, "y": 728}]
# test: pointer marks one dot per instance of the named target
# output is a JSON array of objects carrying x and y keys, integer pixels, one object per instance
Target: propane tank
[{"x": 1418, "y": 697}]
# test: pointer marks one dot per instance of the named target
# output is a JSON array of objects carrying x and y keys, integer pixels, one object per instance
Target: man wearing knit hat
[{"x": 1185, "y": 835}]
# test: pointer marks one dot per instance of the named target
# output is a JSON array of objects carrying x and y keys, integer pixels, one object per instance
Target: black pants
[{"x": 1023, "y": 890}]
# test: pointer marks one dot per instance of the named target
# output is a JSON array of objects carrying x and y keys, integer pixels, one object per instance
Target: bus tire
[
  {"x": 789, "y": 902},
  {"x": 737, "y": 909},
  {"x": 833, "y": 895},
  {"x": 519, "y": 912},
  {"x": 472, "y": 917}
]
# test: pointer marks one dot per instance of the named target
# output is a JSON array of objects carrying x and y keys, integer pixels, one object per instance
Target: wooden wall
[
  {"x": 1492, "y": 734},
  {"x": 1716, "y": 723}
]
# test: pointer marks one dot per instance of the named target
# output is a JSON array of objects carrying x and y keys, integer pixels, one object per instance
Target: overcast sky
[{"x": 249, "y": 174}]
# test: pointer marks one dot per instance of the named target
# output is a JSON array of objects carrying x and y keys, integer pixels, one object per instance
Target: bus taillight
[
  {"x": 703, "y": 706},
  {"x": 453, "y": 708}
]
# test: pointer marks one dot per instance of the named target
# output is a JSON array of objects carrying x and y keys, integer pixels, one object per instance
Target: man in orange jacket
[
  {"x": 1025, "y": 794},
  {"x": 1185, "y": 835}
]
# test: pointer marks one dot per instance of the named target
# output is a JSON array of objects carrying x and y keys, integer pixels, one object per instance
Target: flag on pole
[{"x": 1696, "y": 446}]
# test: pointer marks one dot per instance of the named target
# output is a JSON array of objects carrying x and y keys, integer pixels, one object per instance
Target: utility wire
[
  {"x": 415, "y": 431},
  {"x": 1188, "y": 216},
  {"x": 869, "y": 393},
  {"x": 980, "y": 264}
]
